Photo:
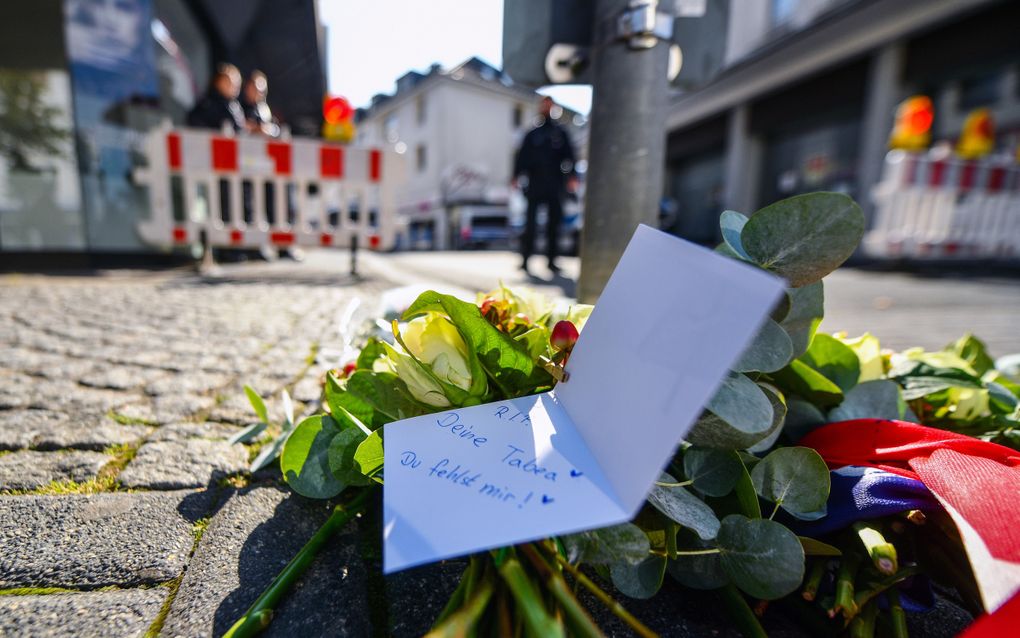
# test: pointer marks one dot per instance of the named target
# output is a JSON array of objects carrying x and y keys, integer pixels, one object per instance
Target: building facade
[
  {"x": 83, "y": 81},
  {"x": 801, "y": 95},
  {"x": 459, "y": 130}
]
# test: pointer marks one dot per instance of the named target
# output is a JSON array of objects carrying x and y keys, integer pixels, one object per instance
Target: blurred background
[{"x": 765, "y": 99}]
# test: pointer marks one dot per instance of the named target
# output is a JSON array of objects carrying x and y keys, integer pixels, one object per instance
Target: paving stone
[
  {"x": 68, "y": 396},
  {"x": 127, "y": 612},
  {"x": 167, "y": 465},
  {"x": 166, "y": 409},
  {"x": 121, "y": 377},
  {"x": 186, "y": 430},
  {"x": 15, "y": 391},
  {"x": 28, "y": 469},
  {"x": 92, "y": 541},
  {"x": 192, "y": 382},
  {"x": 256, "y": 533},
  {"x": 49, "y": 430},
  {"x": 308, "y": 389}
]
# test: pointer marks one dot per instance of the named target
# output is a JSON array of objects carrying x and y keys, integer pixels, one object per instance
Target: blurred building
[
  {"x": 459, "y": 129},
  {"x": 781, "y": 97},
  {"x": 82, "y": 81}
]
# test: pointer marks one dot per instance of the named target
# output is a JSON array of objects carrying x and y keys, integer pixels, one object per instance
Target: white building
[{"x": 459, "y": 130}]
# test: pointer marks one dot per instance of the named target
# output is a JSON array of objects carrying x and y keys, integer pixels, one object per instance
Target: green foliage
[
  {"x": 305, "y": 461},
  {"x": 794, "y": 478},
  {"x": 714, "y": 472},
  {"x": 639, "y": 581},
  {"x": 684, "y": 508},
  {"x": 762, "y": 557}
]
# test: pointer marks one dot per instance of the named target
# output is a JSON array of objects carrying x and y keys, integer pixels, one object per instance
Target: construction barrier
[
  {"x": 945, "y": 208},
  {"x": 252, "y": 191}
]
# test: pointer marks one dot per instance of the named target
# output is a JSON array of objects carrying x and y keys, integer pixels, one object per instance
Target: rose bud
[{"x": 564, "y": 335}]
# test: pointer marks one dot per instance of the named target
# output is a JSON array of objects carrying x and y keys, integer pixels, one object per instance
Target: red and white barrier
[
  {"x": 945, "y": 208},
  {"x": 248, "y": 191}
]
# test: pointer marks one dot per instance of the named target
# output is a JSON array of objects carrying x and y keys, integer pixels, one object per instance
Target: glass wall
[{"x": 40, "y": 192}]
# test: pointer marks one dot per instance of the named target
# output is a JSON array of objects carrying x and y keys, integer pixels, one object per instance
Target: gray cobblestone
[
  {"x": 185, "y": 430},
  {"x": 97, "y": 540},
  {"x": 124, "y": 613},
  {"x": 174, "y": 464},
  {"x": 51, "y": 430},
  {"x": 27, "y": 469}
]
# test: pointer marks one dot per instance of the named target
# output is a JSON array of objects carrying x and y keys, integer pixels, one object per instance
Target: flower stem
[
  {"x": 260, "y": 614},
  {"x": 680, "y": 484},
  {"x": 607, "y": 600},
  {"x": 576, "y": 616}
]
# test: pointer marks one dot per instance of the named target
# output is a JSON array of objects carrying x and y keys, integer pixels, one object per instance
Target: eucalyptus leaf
[
  {"x": 835, "y": 360},
  {"x": 762, "y": 557},
  {"x": 697, "y": 571},
  {"x": 305, "y": 458},
  {"x": 746, "y": 495},
  {"x": 778, "y": 419},
  {"x": 794, "y": 478},
  {"x": 257, "y": 403},
  {"x": 807, "y": 308},
  {"x": 770, "y": 350},
  {"x": 801, "y": 418},
  {"x": 341, "y": 457},
  {"x": 805, "y": 237},
  {"x": 815, "y": 547},
  {"x": 711, "y": 431},
  {"x": 714, "y": 472},
  {"x": 782, "y": 308},
  {"x": 872, "y": 399},
  {"x": 682, "y": 507},
  {"x": 741, "y": 403},
  {"x": 731, "y": 223},
  {"x": 639, "y": 581},
  {"x": 624, "y": 542}
]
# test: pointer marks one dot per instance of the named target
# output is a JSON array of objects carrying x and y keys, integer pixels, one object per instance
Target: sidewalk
[{"x": 126, "y": 511}]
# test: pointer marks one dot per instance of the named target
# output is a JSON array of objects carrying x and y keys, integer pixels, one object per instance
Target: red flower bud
[
  {"x": 349, "y": 369},
  {"x": 564, "y": 335}
]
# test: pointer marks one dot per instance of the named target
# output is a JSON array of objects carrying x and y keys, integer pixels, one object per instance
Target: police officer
[{"x": 546, "y": 160}]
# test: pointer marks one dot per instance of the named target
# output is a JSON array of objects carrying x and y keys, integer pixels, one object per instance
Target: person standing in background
[
  {"x": 256, "y": 110},
  {"x": 220, "y": 103},
  {"x": 546, "y": 161}
]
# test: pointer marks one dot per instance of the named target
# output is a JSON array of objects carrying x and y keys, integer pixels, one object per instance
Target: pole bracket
[{"x": 641, "y": 25}]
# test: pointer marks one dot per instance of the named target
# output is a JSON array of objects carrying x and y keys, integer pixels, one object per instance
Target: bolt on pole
[{"x": 628, "y": 137}]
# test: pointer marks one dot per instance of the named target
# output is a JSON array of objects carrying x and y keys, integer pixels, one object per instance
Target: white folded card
[{"x": 671, "y": 321}]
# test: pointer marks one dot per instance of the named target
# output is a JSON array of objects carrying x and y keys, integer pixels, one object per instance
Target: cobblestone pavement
[{"x": 125, "y": 510}]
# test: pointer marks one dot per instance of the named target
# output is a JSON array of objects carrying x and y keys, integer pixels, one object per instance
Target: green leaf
[
  {"x": 257, "y": 403},
  {"x": 747, "y": 497},
  {"x": 385, "y": 393},
  {"x": 682, "y": 507},
  {"x": 269, "y": 453},
  {"x": 919, "y": 379},
  {"x": 973, "y": 351},
  {"x": 712, "y": 431},
  {"x": 1001, "y": 400},
  {"x": 762, "y": 557},
  {"x": 870, "y": 400},
  {"x": 805, "y": 237},
  {"x": 341, "y": 457},
  {"x": 800, "y": 378},
  {"x": 725, "y": 250},
  {"x": 801, "y": 417},
  {"x": 795, "y": 478},
  {"x": 248, "y": 433},
  {"x": 639, "y": 581},
  {"x": 373, "y": 350},
  {"x": 699, "y": 571},
  {"x": 305, "y": 458},
  {"x": 731, "y": 223},
  {"x": 805, "y": 313},
  {"x": 834, "y": 359},
  {"x": 369, "y": 455},
  {"x": 814, "y": 547},
  {"x": 782, "y": 308},
  {"x": 714, "y": 472},
  {"x": 742, "y": 404},
  {"x": 770, "y": 350},
  {"x": 624, "y": 542},
  {"x": 506, "y": 361},
  {"x": 778, "y": 419},
  {"x": 535, "y": 341}
]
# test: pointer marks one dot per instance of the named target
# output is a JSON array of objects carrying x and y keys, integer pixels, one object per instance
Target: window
[
  {"x": 421, "y": 158},
  {"x": 518, "y": 115},
  {"x": 390, "y": 129},
  {"x": 984, "y": 89},
  {"x": 419, "y": 109}
]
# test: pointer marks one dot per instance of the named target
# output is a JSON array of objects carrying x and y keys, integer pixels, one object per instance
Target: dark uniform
[
  {"x": 214, "y": 109},
  {"x": 546, "y": 158}
]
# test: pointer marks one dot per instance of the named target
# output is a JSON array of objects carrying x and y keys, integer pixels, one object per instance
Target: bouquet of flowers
[{"x": 747, "y": 506}]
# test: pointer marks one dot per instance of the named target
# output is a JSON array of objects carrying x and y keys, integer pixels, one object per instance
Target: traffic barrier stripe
[{"x": 251, "y": 191}]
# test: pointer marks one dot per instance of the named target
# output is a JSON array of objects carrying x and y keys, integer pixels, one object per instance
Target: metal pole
[{"x": 627, "y": 144}]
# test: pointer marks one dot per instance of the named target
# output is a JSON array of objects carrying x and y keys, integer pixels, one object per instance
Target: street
[{"x": 118, "y": 391}]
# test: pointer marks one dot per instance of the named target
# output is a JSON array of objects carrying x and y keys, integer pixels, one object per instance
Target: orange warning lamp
[
  {"x": 978, "y": 136},
  {"x": 338, "y": 116},
  {"x": 912, "y": 130}
]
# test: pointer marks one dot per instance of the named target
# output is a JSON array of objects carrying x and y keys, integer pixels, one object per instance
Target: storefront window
[
  {"x": 40, "y": 195},
  {"x": 823, "y": 158}
]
